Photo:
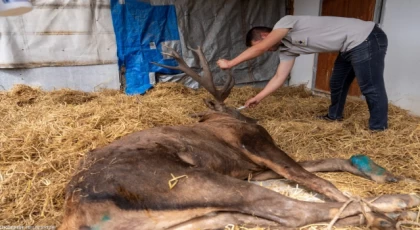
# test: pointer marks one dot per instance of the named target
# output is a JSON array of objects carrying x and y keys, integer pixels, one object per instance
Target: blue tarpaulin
[{"x": 140, "y": 28}]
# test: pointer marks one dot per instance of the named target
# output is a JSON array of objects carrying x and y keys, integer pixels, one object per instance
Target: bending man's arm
[
  {"x": 256, "y": 50},
  {"x": 282, "y": 72}
]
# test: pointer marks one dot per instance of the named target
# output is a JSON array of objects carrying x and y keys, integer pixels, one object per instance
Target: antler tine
[
  {"x": 207, "y": 80},
  {"x": 219, "y": 94},
  {"x": 165, "y": 66},
  {"x": 227, "y": 87},
  {"x": 172, "y": 53},
  {"x": 208, "y": 83},
  {"x": 181, "y": 65}
]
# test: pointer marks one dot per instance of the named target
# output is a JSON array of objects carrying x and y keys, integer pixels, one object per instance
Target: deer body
[{"x": 125, "y": 185}]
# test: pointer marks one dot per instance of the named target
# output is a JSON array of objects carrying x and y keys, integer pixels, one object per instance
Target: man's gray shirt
[{"x": 317, "y": 34}]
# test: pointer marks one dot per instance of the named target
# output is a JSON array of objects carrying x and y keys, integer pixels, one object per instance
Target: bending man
[{"x": 362, "y": 47}]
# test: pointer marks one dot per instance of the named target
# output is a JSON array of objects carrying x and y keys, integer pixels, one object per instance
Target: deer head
[{"x": 219, "y": 94}]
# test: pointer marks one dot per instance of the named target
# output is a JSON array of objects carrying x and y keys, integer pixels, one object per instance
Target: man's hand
[
  {"x": 251, "y": 103},
  {"x": 223, "y": 64}
]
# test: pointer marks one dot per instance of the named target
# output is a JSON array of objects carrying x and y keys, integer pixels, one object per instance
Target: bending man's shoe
[{"x": 328, "y": 118}]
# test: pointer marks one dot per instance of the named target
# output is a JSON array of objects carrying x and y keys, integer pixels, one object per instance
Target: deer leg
[
  {"x": 338, "y": 165},
  {"x": 359, "y": 165},
  {"x": 232, "y": 196},
  {"x": 226, "y": 194},
  {"x": 324, "y": 165},
  {"x": 331, "y": 165},
  {"x": 220, "y": 220},
  {"x": 263, "y": 152}
]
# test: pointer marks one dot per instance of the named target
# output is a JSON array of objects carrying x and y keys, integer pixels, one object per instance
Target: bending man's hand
[
  {"x": 223, "y": 64},
  {"x": 251, "y": 103}
]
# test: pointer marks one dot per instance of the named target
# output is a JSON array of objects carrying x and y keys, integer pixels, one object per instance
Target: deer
[{"x": 197, "y": 177}]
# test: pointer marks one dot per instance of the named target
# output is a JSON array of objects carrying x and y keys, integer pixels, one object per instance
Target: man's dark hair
[{"x": 254, "y": 34}]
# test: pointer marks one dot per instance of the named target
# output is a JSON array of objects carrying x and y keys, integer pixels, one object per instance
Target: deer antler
[{"x": 207, "y": 80}]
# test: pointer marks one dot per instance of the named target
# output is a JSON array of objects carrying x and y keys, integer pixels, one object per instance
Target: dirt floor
[{"x": 43, "y": 134}]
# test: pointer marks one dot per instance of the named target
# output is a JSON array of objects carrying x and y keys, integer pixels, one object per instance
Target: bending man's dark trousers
[{"x": 366, "y": 63}]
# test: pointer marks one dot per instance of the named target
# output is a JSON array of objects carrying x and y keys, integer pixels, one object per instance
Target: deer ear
[
  {"x": 201, "y": 116},
  {"x": 210, "y": 104}
]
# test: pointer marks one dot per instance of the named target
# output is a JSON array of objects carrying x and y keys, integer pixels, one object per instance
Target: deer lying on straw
[{"x": 125, "y": 185}]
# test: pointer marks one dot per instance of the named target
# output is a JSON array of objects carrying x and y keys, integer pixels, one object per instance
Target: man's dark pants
[{"x": 366, "y": 63}]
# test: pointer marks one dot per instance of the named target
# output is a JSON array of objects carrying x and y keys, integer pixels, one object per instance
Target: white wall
[
  {"x": 401, "y": 22},
  {"x": 85, "y": 78},
  {"x": 58, "y": 33},
  {"x": 303, "y": 71},
  {"x": 61, "y": 32}
]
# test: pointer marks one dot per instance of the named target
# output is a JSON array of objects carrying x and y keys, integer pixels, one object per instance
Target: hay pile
[{"x": 43, "y": 134}]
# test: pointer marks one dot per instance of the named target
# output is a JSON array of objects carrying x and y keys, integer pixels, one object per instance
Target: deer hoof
[
  {"x": 380, "y": 221},
  {"x": 372, "y": 170}
]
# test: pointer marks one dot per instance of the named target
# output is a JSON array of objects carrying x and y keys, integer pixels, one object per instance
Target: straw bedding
[{"x": 43, "y": 134}]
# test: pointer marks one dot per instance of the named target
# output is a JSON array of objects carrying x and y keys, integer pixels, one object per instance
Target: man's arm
[
  {"x": 256, "y": 50},
  {"x": 278, "y": 79}
]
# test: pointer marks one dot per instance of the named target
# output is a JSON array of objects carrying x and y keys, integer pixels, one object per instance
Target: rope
[
  {"x": 356, "y": 199},
  {"x": 331, "y": 224}
]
